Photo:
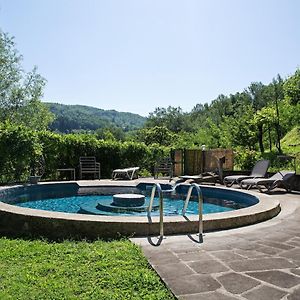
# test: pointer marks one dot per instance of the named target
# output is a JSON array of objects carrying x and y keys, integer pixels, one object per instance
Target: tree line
[{"x": 255, "y": 119}]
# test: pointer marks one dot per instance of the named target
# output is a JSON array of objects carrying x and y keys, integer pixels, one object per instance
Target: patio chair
[
  {"x": 278, "y": 180},
  {"x": 165, "y": 167},
  {"x": 88, "y": 165},
  {"x": 258, "y": 171},
  {"x": 127, "y": 173}
]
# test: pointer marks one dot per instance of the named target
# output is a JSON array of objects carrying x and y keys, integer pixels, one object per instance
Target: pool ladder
[{"x": 157, "y": 187}]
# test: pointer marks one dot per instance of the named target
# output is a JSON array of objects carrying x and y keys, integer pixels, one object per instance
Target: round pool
[
  {"x": 61, "y": 210},
  {"x": 88, "y": 205},
  {"x": 96, "y": 202}
]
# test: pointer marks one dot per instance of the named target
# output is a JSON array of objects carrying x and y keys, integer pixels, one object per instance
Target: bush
[
  {"x": 245, "y": 159},
  {"x": 19, "y": 147}
]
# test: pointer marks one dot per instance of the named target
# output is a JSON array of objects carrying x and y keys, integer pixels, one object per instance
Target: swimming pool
[
  {"x": 22, "y": 221},
  {"x": 85, "y": 204},
  {"x": 96, "y": 202}
]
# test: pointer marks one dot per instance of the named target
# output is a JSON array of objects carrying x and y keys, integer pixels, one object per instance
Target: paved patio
[{"x": 256, "y": 262}]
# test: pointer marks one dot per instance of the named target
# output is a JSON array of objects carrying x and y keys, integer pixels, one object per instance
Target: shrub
[
  {"x": 245, "y": 159},
  {"x": 19, "y": 147}
]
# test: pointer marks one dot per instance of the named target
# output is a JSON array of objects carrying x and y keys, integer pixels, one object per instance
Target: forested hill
[{"x": 72, "y": 118}]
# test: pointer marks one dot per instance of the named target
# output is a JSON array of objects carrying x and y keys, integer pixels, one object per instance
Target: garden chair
[
  {"x": 88, "y": 165},
  {"x": 164, "y": 166},
  {"x": 278, "y": 180},
  {"x": 258, "y": 171}
]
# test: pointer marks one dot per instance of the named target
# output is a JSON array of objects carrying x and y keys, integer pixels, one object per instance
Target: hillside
[
  {"x": 291, "y": 142},
  {"x": 70, "y": 118}
]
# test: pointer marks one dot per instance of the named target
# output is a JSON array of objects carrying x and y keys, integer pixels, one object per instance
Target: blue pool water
[{"x": 72, "y": 204}]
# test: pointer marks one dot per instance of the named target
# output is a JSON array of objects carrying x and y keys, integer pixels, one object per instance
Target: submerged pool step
[{"x": 107, "y": 208}]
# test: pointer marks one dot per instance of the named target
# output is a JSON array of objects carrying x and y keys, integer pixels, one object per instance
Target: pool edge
[{"x": 55, "y": 225}]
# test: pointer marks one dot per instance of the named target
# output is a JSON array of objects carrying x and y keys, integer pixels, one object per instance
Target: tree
[
  {"x": 240, "y": 129},
  {"x": 277, "y": 85},
  {"x": 260, "y": 96},
  {"x": 266, "y": 117},
  {"x": 172, "y": 117},
  {"x": 20, "y": 92},
  {"x": 291, "y": 88},
  {"x": 156, "y": 135},
  {"x": 110, "y": 133}
]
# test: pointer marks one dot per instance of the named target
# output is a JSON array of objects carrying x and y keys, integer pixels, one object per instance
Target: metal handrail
[
  {"x": 200, "y": 204},
  {"x": 157, "y": 187}
]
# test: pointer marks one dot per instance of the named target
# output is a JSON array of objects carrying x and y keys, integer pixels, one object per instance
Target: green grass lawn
[{"x": 76, "y": 270}]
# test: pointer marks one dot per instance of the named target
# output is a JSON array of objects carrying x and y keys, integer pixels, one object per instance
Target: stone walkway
[{"x": 255, "y": 262}]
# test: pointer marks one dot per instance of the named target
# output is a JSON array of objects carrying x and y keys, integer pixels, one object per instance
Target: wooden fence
[{"x": 193, "y": 162}]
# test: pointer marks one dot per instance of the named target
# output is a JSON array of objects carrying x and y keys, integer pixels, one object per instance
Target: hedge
[{"x": 21, "y": 147}]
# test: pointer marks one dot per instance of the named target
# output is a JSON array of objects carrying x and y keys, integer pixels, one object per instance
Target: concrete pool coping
[{"x": 24, "y": 221}]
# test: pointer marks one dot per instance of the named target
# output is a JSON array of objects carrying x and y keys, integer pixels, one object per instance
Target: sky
[{"x": 136, "y": 55}]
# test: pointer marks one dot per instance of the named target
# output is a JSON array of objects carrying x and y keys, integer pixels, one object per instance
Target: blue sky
[{"x": 136, "y": 55}]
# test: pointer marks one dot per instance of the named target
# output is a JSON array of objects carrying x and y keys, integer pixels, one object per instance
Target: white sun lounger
[{"x": 127, "y": 173}]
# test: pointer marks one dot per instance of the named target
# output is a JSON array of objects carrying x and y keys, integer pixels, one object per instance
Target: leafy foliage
[
  {"x": 20, "y": 146},
  {"x": 172, "y": 117},
  {"x": 20, "y": 93},
  {"x": 156, "y": 135},
  {"x": 292, "y": 88},
  {"x": 255, "y": 119}
]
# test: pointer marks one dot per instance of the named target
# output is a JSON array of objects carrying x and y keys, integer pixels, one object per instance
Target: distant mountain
[{"x": 72, "y": 118}]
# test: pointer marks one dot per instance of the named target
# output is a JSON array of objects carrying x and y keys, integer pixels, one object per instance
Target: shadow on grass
[{"x": 31, "y": 237}]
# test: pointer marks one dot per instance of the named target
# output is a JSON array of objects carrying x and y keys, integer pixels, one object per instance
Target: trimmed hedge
[{"x": 19, "y": 147}]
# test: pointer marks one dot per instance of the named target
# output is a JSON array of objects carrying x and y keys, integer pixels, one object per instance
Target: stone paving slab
[
  {"x": 173, "y": 270},
  {"x": 263, "y": 291},
  {"x": 207, "y": 267},
  {"x": 280, "y": 246},
  {"x": 261, "y": 261},
  {"x": 237, "y": 283},
  {"x": 269, "y": 263},
  {"x": 206, "y": 296},
  {"x": 295, "y": 295},
  {"x": 194, "y": 256},
  {"x": 295, "y": 271},
  {"x": 164, "y": 257},
  {"x": 277, "y": 278},
  {"x": 192, "y": 284},
  {"x": 292, "y": 254},
  {"x": 227, "y": 255}
]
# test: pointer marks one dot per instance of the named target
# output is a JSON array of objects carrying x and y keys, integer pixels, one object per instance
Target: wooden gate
[{"x": 196, "y": 161}]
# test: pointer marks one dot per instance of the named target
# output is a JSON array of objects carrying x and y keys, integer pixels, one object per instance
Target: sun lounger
[
  {"x": 210, "y": 176},
  {"x": 127, "y": 173},
  {"x": 258, "y": 171},
  {"x": 278, "y": 180}
]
